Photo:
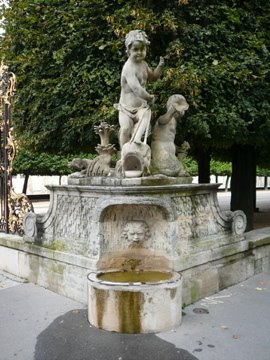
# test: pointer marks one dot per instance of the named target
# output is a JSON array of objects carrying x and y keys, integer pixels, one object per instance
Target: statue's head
[
  {"x": 135, "y": 231},
  {"x": 178, "y": 102},
  {"x": 136, "y": 35}
]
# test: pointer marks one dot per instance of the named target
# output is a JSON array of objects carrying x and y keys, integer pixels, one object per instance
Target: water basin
[
  {"x": 135, "y": 301},
  {"x": 135, "y": 276}
]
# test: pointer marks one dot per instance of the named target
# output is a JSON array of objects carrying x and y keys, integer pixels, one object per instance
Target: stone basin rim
[{"x": 93, "y": 278}]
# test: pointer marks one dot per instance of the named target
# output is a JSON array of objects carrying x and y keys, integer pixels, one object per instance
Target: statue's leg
[
  {"x": 143, "y": 124},
  {"x": 126, "y": 127}
]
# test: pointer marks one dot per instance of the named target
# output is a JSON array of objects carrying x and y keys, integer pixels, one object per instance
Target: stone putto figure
[
  {"x": 137, "y": 158},
  {"x": 135, "y": 101},
  {"x": 134, "y": 106},
  {"x": 164, "y": 160}
]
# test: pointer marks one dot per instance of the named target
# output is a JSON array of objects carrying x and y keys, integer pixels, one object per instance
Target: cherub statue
[
  {"x": 164, "y": 160},
  {"x": 135, "y": 101}
]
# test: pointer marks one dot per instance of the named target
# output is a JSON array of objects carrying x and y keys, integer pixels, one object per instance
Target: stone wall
[
  {"x": 184, "y": 221},
  {"x": 66, "y": 273},
  {"x": 184, "y": 231}
]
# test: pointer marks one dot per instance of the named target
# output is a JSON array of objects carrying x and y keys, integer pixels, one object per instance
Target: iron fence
[{"x": 13, "y": 205}]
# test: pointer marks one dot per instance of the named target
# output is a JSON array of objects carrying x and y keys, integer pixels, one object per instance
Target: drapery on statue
[
  {"x": 164, "y": 160},
  {"x": 135, "y": 101}
]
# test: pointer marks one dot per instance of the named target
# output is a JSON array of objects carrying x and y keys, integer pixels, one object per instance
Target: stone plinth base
[
  {"x": 66, "y": 273},
  {"x": 182, "y": 224},
  {"x": 139, "y": 181}
]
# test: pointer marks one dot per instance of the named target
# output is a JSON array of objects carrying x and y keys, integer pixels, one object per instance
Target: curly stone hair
[
  {"x": 126, "y": 228},
  {"x": 135, "y": 35}
]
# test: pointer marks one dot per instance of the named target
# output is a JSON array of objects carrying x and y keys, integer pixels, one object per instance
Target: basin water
[{"x": 135, "y": 301}]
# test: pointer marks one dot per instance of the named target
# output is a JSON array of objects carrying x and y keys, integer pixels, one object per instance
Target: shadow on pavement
[{"x": 70, "y": 337}]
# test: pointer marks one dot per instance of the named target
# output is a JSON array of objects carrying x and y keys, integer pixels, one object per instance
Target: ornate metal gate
[{"x": 13, "y": 205}]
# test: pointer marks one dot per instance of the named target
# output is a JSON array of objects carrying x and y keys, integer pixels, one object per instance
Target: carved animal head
[{"x": 178, "y": 102}]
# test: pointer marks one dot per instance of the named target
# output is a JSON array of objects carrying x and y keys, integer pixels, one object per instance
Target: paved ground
[{"x": 37, "y": 324}]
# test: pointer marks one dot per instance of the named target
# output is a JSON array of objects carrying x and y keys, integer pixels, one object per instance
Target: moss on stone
[
  {"x": 56, "y": 245},
  {"x": 194, "y": 291}
]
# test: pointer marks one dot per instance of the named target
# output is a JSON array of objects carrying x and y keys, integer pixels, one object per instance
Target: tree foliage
[
  {"x": 218, "y": 168},
  {"x": 66, "y": 81},
  {"x": 68, "y": 57},
  {"x": 28, "y": 163},
  {"x": 263, "y": 171}
]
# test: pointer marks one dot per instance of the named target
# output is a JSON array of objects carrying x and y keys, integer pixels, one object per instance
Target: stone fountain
[{"x": 141, "y": 222}]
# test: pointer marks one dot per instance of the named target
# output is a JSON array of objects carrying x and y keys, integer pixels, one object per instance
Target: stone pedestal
[
  {"x": 185, "y": 226},
  {"x": 85, "y": 228}
]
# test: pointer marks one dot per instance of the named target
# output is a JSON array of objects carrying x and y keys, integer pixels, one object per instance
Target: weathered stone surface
[
  {"x": 164, "y": 159},
  {"x": 135, "y": 181},
  {"x": 184, "y": 230},
  {"x": 202, "y": 278},
  {"x": 134, "y": 103},
  {"x": 135, "y": 307},
  {"x": 183, "y": 220},
  {"x": 237, "y": 270}
]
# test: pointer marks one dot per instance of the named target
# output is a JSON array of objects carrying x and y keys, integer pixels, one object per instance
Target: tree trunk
[
  {"x": 26, "y": 178},
  {"x": 243, "y": 182},
  {"x": 203, "y": 158},
  {"x": 265, "y": 183},
  {"x": 227, "y": 183}
]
